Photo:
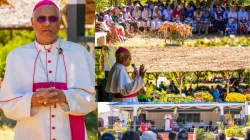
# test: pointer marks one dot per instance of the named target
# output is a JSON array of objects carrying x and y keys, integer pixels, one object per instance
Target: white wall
[
  {"x": 210, "y": 116},
  {"x": 105, "y": 115},
  {"x": 158, "y": 118}
]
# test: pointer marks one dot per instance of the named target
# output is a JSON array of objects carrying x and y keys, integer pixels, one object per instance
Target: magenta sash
[{"x": 76, "y": 122}]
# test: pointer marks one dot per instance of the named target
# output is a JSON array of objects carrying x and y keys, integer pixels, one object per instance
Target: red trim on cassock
[{"x": 11, "y": 99}]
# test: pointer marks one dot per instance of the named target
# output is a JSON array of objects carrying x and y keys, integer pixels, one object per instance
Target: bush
[
  {"x": 207, "y": 97},
  {"x": 235, "y": 131},
  {"x": 112, "y": 131},
  {"x": 177, "y": 100},
  {"x": 209, "y": 136},
  {"x": 248, "y": 97},
  {"x": 244, "y": 130},
  {"x": 231, "y": 41},
  {"x": 201, "y": 134},
  {"x": 236, "y": 97}
]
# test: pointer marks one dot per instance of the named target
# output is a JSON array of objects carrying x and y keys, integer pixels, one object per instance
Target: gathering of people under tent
[
  {"x": 222, "y": 17},
  {"x": 219, "y": 91}
]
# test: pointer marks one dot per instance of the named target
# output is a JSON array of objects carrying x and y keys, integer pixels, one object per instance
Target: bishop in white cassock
[
  {"x": 168, "y": 122},
  {"x": 48, "y": 85},
  {"x": 119, "y": 83}
]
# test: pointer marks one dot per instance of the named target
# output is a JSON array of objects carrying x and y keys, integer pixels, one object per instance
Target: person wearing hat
[
  {"x": 119, "y": 83},
  {"x": 118, "y": 128},
  {"x": 123, "y": 6},
  {"x": 136, "y": 14},
  {"x": 137, "y": 2},
  {"x": 105, "y": 10},
  {"x": 122, "y": 22},
  {"x": 130, "y": 20},
  {"x": 46, "y": 89},
  {"x": 146, "y": 18},
  {"x": 111, "y": 26}
]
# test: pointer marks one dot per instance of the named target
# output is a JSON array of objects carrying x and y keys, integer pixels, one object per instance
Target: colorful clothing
[{"x": 232, "y": 24}]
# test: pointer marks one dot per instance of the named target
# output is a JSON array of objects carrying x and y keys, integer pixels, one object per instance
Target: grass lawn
[{"x": 6, "y": 133}]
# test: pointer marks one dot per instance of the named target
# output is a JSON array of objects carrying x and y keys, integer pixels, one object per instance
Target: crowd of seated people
[
  {"x": 222, "y": 17},
  {"x": 219, "y": 92}
]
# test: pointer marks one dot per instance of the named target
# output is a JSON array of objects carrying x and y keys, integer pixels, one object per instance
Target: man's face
[
  {"x": 168, "y": 7},
  {"x": 242, "y": 9},
  {"x": 178, "y": 8},
  {"x": 233, "y": 9},
  {"x": 156, "y": 9},
  {"x": 218, "y": 9},
  {"x": 127, "y": 59},
  {"x": 48, "y": 27},
  {"x": 136, "y": 8}
]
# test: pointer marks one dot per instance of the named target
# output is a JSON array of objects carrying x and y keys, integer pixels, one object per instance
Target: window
[{"x": 189, "y": 117}]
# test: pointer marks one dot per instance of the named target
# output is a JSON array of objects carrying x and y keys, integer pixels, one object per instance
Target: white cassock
[
  {"x": 122, "y": 86},
  {"x": 26, "y": 71},
  {"x": 168, "y": 122}
]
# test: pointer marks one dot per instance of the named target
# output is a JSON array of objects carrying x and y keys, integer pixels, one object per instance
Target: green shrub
[
  {"x": 201, "y": 134},
  {"x": 234, "y": 131}
]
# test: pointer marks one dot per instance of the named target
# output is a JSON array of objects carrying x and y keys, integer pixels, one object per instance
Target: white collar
[
  {"x": 47, "y": 47},
  {"x": 121, "y": 65}
]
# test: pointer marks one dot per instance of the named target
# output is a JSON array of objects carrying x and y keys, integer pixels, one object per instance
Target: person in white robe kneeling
[
  {"x": 119, "y": 83},
  {"x": 48, "y": 85}
]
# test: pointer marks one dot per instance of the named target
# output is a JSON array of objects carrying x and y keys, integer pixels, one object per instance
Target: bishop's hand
[
  {"x": 48, "y": 97},
  {"x": 142, "y": 71}
]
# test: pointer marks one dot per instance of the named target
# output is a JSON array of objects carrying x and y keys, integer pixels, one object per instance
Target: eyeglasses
[{"x": 42, "y": 19}]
